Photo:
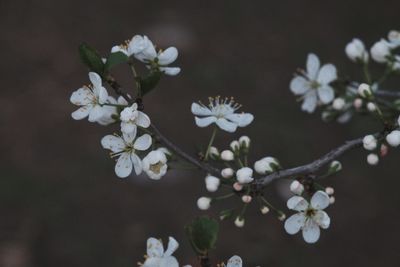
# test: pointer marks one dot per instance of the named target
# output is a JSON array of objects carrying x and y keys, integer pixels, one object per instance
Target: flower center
[
  {"x": 314, "y": 84},
  {"x": 310, "y": 212},
  {"x": 156, "y": 168}
]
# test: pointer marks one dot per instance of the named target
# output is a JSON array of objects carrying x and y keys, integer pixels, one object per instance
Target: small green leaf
[
  {"x": 202, "y": 233},
  {"x": 226, "y": 214},
  {"x": 115, "y": 59},
  {"x": 149, "y": 82},
  {"x": 91, "y": 58}
]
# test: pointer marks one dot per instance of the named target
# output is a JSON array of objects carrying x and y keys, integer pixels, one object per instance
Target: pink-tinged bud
[
  {"x": 237, "y": 186},
  {"x": 384, "y": 150},
  {"x": 329, "y": 190},
  {"x": 246, "y": 198},
  {"x": 357, "y": 103},
  {"x": 296, "y": 187}
]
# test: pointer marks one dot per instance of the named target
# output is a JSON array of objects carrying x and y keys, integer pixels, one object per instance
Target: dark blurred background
[{"x": 60, "y": 201}]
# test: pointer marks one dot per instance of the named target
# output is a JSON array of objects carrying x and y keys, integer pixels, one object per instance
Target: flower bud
[
  {"x": 393, "y": 138},
  {"x": 357, "y": 103},
  {"x": 227, "y": 155},
  {"x": 235, "y": 146},
  {"x": 237, "y": 186},
  {"x": 204, "y": 203},
  {"x": 369, "y": 142},
  {"x": 264, "y": 210},
  {"x": 227, "y": 173},
  {"x": 329, "y": 190},
  {"x": 379, "y": 51},
  {"x": 338, "y": 103},
  {"x": 213, "y": 152},
  {"x": 265, "y": 165},
  {"x": 212, "y": 183},
  {"x": 364, "y": 90},
  {"x": 394, "y": 36},
  {"x": 335, "y": 166},
  {"x": 371, "y": 106},
  {"x": 372, "y": 159},
  {"x": 296, "y": 187},
  {"x": 332, "y": 200},
  {"x": 246, "y": 198},
  {"x": 239, "y": 222},
  {"x": 281, "y": 216},
  {"x": 355, "y": 50},
  {"x": 384, "y": 150},
  {"x": 244, "y": 175},
  {"x": 244, "y": 141}
]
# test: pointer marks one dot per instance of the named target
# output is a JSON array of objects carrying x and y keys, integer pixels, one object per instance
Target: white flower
[
  {"x": 393, "y": 138},
  {"x": 156, "y": 257},
  {"x": 244, "y": 175},
  {"x": 296, "y": 187},
  {"x": 355, "y": 50},
  {"x": 314, "y": 85},
  {"x": 227, "y": 155},
  {"x": 227, "y": 172},
  {"x": 239, "y": 222},
  {"x": 234, "y": 261},
  {"x": 111, "y": 112},
  {"x": 204, "y": 203},
  {"x": 338, "y": 103},
  {"x": 125, "y": 149},
  {"x": 212, "y": 183},
  {"x": 380, "y": 50},
  {"x": 310, "y": 216},
  {"x": 90, "y": 99},
  {"x": 134, "y": 46},
  {"x": 131, "y": 117},
  {"x": 265, "y": 165},
  {"x": 369, "y": 142},
  {"x": 364, "y": 90},
  {"x": 221, "y": 112},
  {"x": 372, "y": 159},
  {"x": 155, "y": 164}
]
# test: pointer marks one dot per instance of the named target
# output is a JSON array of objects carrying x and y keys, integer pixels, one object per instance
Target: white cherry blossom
[
  {"x": 134, "y": 46},
  {"x": 355, "y": 50},
  {"x": 110, "y": 112},
  {"x": 380, "y": 51},
  {"x": 314, "y": 85},
  {"x": 234, "y": 261},
  {"x": 125, "y": 148},
  {"x": 155, "y": 164},
  {"x": 131, "y": 117},
  {"x": 157, "y": 257},
  {"x": 222, "y": 112},
  {"x": 90, "y": 99},
  {"x": 310, "y": 216}
]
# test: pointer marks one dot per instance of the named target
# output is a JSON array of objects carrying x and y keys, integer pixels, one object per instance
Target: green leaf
[
  {"x": 91, "y": 58},
  {"x": 115, "y": 59},
  {"x": 149, "y": 82},
  {"x": 203, "y": 234}
]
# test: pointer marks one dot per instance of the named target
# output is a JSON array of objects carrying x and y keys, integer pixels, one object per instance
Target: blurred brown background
[{"x": 60, "y": 202}]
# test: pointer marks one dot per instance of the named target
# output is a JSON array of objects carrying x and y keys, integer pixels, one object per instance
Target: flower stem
[
  {"x": 366, "y": 73},
  {"x": 210, "y": 143}
]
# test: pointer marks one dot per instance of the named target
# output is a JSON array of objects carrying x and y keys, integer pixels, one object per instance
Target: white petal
[
  {"x": 113, "y": 143},
  {"x": 299, "y": 85},
  {"x": 142, "y": 120},
  {"x": 152, "y": 262},
  {"x": 81, "y": 113},
  {"x": 95, "y": 79},
  {"x": 137, "y": 163},
  {"x": 322, "y": 219},
  {"x": 204, "y": 122},
  {"x": 226, "y": 125},
  {"x": 143, "y": 142},
  {"x": 294, "y": 223},
  {"x": 103, "y": 95},
  {"x": 95, "y": 113},
  {"x": 327, "y": 74},
  {"x": 310, "y": 101},
  {"x": 171, "y": 71},
  {"x": 320, "y": 200},
  {"x": 234, "y": 261},
  {"x": 168, "y": 56},
  {"x": 297, "y": 203},
  {"x": 172, "y": 246},
  {"x": 130, "y": 135},
  {"x": 200, "y": 110},
  {"x": 82, "y": 96},
  {"x": 169, "y": 262},
  {"x": 154, "y": 248},
  {"x": 311, "y": 231},
  {"x": 241, "y": 119},
  {"x": 124, "y": 165},
  {"x": 326, "y": 94},
  {"x": 312, "y": 66}
]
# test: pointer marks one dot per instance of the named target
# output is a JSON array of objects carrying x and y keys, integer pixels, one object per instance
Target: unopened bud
[
  {"x": 393, "y": 138},
  {"x": 264, "y": 210},
  {"x": 357, "y": 103},
  {"x": 213, "y": 152},
  {"x": 244, "y": 175},
  {"x": 329, "y": 190},
  {"x": 204, "y": 203},
  {"x": 227, "y": 173},
  {"x": 246, "y": 198},
  {"x": 237, "y": 186},
  {"x": 384, "y": 150},
  {"x": 369, "y": 142},
  {"x": 364, "y": 90},
  {"x": 281, "y": 216},
  {"x": 227, "y": 155},
  {"x": 372, "y": 159},
  {"x": 244, "y": 141},
  {"x": 239, "y": 222},
  {"x": 332, "y": 200},
  {"x": 235, "y": 146},
  {"x": 296, "y": 187},
  {"x": 212, "y": 183},
  {"x": 338, "y": 103},
  {"x": 371, "y": 106}
]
